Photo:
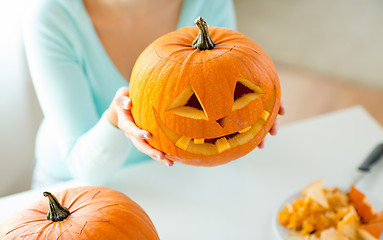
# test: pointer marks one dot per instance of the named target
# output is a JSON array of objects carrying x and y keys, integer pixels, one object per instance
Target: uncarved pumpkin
[
  {"x": 86, "y": 213},
  {"x": 208, "y": 95}
]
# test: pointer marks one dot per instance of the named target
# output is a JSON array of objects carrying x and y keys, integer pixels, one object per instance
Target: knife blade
[{"x": 372, "y": 158}]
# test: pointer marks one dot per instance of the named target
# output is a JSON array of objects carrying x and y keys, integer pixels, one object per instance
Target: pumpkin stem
[
  {"x": 56, "y": 211},
  {"x": 203, "y": 40}
]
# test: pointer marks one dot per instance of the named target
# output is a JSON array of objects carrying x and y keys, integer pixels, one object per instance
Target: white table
[{"x": 239, "y": 200}]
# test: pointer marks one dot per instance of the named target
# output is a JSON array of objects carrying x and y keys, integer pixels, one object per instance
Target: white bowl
[{"x": 281, "y": 232}]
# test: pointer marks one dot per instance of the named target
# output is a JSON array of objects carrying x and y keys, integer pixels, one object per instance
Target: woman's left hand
[{"x": 120, "y": 116}]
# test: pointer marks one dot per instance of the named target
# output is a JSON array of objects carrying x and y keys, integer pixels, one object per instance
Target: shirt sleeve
[
  {"x": 90, "y": 145},
  {"x": 220, "y": 13}
]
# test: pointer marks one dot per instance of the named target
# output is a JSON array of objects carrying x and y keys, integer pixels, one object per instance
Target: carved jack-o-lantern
[{"x": 206, "y": 102}]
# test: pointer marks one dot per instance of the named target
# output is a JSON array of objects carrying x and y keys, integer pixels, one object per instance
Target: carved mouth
[{"x": 212, "y": 146}]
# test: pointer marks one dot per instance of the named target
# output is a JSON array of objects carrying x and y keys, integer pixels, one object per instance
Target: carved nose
[{"x": 222, "y": 121}]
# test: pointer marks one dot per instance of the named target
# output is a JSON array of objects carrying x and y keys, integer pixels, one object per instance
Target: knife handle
[{"x": 372, "y": 158}]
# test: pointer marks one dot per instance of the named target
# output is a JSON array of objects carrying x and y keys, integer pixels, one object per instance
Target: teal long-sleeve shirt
[{"x": 75, "y": 81}]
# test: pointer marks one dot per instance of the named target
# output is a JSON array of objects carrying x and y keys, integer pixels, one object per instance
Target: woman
[{"x": 80, "y": 54}]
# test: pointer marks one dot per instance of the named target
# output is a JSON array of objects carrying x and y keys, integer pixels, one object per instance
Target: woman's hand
[
  {"x": 274, "y": 129},
  {"x": 119, "y": 114}
]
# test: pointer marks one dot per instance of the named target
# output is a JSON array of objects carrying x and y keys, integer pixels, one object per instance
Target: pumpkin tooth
[
  {"x": 265, "y": 115},
  {"x": 199, "y": 141},
  {"x": 183, "y": 142},
  {"x": 222, "y": 145},
  {"x": 245, "y": 129}
]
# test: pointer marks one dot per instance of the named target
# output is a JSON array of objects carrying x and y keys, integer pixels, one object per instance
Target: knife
[{"x": 374, "y": 156}]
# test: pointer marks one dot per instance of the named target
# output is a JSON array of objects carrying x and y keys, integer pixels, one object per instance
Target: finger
[
  {"x": 122, "y": 91},
  {"x": 168, "y": 162},
  {"x": 261, "y": 144},
  {"x": 274, "y": 129},
  {"x": 124, "y": 102},
  {"x": 123, "y": 106},
  {"x": 282, "y": 109},
  {"x": 144, "y": 147},
  {"x": 132, "y": 131},
  {"x": 125, "y": 119},
  {"x": 172, "y": 158},
  {"x": 126, "y": 124}
]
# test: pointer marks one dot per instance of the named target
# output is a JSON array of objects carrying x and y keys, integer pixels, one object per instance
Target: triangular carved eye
[
  {"x": 188, "y": 105},
  {"x": 241, "y": 90},
  {"x": 244, "y": 93},
  {"x": 194, "y": 102}
]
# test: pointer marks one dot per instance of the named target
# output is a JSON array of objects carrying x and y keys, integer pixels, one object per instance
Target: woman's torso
[
  {"x": 106, "y": 54},
  {"x": 125, "y": 28}
]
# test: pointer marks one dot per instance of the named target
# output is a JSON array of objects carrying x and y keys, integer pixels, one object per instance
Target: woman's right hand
[{"x": 119, "y": 115}]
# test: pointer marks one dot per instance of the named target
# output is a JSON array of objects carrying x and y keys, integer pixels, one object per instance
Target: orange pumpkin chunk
[{"x": 328, "y": 213}]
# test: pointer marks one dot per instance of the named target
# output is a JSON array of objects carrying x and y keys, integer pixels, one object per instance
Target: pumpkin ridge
[
  {"x": 83, "y": 227},
  {"x": 61, "y": 233},
  {"x": 169, "y": 87},
  {"x": 150, "y": 76},
  {"x": 196, "y": 50},
  {"x": 225, "y": 34},
  {"x": 22, "y": 225},
  {"x": 110, "y": 205},
  {"x": 181, "y": 71},
  {"x": 260, "y": 66},
  {"x": 95, "y": 194},
  {"x": 66, "y": 231},
  {"x": 76, "y": 199},
  {"x": 79, "y": 226},
  {"x": 250, "y": 56},
  {"x": 81, "y": 207},
  {"x": 192, "y": 31},
  {"x": 99, "y": 201},
  {"x": 244, "y": 49},
  {"x": 141, "y": 218},
  {"x": 186, "y": 61},
  {"x": 38, "y": 231},
  {"x": 173, "y": 53},
  {"x": 42, "y": 229},
  {"x": 38, "y": 211},
  {"x": 49, "y": 231},
  {"x": 138, "y": 105},
  {"x": 206, "y": 81}
]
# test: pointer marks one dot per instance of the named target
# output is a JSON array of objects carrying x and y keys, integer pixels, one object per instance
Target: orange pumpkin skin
[
  {"x": 374, "y": 228},
  {"x": 170, "y": 65},
  {"x": 362, "y": 206},
  {"x": 371, "y": 230},
  {"x": 378, "y": 217},
  {"x": 95, "y": 213}
]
